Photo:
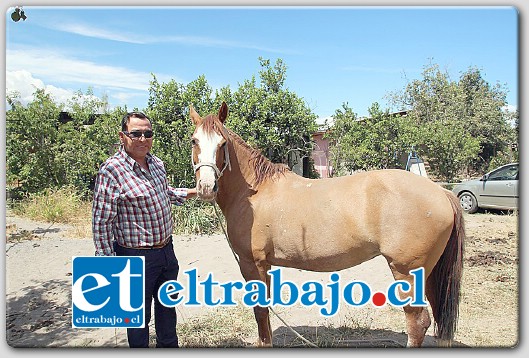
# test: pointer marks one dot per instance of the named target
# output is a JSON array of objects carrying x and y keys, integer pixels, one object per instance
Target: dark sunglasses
[{"x": 138, "y": 134}]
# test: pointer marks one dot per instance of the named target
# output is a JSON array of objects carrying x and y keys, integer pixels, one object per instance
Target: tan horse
[{"x": 276, "y": 217}]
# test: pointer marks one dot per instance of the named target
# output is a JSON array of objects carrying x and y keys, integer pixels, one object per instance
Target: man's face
[{"x": 137, "y": 148}]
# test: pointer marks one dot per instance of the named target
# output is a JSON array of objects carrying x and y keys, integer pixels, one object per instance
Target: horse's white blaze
[{"x": 208, "y": 154}]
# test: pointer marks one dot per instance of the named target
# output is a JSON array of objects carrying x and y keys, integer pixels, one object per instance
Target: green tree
[
  {"x": 167, "y": 107},
  {"x": 379, "y": 141},
  {"x": 85, "y": 141},
  {"x": 449, "y": 148},
  {"x": 463, "y": 121},
  {"x": 485, "y": 118},
  {"x": 345, "y": 136},
  {"x": 272, "y": 118},
  {"x": 43, "y": 152},
  {"x": 269, "y": 117},
  {"x": 31, "y": 138}
]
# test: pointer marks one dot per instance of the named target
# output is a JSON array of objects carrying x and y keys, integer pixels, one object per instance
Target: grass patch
[
  {"x": 66, "y": 206},
  {"x": 224, "y": 327},
  {"x": 196, "y": 217},
  {"x": 62, "y": 205},
  {"x": 350, "y": 331},
  {"x": 235, "y": 327}
]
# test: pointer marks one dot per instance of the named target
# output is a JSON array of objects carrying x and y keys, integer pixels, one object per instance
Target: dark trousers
[{"x": 161, "y": 265}]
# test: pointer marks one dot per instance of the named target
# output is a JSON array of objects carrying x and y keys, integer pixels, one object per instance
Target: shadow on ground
[
  {"x": 40, "y": 316},
  {"x": 344, "y": 337}
]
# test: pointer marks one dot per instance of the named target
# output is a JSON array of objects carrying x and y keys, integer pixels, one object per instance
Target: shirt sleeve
[
  {"x": 104, "y": 212},
  {"x": 177, "y": 195}
]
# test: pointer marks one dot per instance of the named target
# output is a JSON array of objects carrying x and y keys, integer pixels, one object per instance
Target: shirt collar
[{"x": 125, "y": 157}]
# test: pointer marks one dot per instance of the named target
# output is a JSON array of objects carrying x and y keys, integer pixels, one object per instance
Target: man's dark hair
[{"x": 128, "y": 116}]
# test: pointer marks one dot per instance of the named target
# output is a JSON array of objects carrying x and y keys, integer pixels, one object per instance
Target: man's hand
[{"x": 191, "y": 193}]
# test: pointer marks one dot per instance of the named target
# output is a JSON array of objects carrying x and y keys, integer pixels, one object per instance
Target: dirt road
[{"x": 38, "y": 289}]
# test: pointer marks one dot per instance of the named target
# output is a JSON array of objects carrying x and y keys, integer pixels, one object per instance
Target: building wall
[{"x": 320, "y": 155}]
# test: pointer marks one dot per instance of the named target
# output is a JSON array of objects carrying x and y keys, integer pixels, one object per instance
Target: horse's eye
[{"x": 193, "y": 141}]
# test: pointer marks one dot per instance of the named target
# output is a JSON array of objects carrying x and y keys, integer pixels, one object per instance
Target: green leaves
[
  {"x": 272, "y": 118},
  {"x": 266, "y": 115},
  {"x": 461, "y": 125},
  {"x": 31, "y": 139},
  {"x": 44, "y": 153},
  {"x": 379, "y": 141},
  {"x": 454, "y": 125}
]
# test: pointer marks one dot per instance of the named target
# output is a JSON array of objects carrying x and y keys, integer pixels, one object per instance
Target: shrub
[
  {"x": 63, "y": 205},
  {"x": 196, "y": 217}
]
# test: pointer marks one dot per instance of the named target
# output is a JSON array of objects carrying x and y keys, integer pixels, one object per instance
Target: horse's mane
[{"x": 264, "y": 169}]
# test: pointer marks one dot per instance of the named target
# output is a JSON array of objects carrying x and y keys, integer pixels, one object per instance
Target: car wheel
[{"x": 468, "y": 203}]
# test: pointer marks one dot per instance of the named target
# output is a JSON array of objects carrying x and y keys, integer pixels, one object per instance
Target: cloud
[
  {"x": 23, "y": 83},
  {"x": 510, "y": 108},
  {"x": 62, "y": 76},
  {"x": 212, "y": 42},
  {"x": 113, "y": 35},
  {"x": 91, "y": 31},
  {"x": 55, "y": 67}
]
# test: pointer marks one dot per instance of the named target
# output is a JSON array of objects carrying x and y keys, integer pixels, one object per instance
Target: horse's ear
[
  {"x": 223, "y": 112},
  {"x": 194, "y": 116}
]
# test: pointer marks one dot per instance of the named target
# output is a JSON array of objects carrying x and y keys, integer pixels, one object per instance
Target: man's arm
[
  {"x": 178, "y": 196},
  {"x": 191, "y": 193},
  {"x": 104, "y": 211}
]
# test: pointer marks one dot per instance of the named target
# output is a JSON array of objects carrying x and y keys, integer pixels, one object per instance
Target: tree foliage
[
  {"x": 85, "y": 141},
  {"x": 31, "y": 138},
  {"x": 379, "y": 141},
  {"x": 42, "y": 152},
  {"x": 269, "y": 117},
  {"x": 455, "y": 125},
  {"x": 466, "y": 122},
  {"x": 168, "y": 108},
  {"x": 272, "y": 118}
]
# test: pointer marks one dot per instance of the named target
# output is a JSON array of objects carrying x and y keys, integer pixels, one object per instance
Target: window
[{"x": 508, "y": 173}]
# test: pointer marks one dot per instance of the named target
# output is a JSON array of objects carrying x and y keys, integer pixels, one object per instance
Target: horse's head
[{"x": 209, "y": 152}]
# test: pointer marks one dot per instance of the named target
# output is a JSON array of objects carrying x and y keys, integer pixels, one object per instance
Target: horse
[{"x": 275, "y": 217}]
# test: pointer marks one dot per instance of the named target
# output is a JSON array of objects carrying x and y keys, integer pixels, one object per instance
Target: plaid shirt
[{"x": 132, "y": 205}]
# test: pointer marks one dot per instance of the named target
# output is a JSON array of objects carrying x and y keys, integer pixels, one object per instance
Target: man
[{"x": 131, "y": 216}]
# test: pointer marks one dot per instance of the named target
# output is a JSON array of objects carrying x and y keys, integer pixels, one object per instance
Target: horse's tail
[{"x": 444, "y": 282}]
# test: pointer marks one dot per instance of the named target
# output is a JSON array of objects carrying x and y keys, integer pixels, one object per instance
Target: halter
[{"x": 218, "y": 173}]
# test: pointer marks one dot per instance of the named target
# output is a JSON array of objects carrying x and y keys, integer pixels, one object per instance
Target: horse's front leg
[{"x": 259, "y": 271}]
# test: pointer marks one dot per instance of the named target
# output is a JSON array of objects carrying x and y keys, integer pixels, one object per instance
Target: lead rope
[{"x": 238, "y": 261}]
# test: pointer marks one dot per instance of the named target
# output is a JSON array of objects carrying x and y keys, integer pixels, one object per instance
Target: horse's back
[{"x": 365, "y": 191}]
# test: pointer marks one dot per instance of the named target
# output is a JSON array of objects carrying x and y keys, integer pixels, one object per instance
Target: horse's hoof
[{"x": 261, "y": 344}]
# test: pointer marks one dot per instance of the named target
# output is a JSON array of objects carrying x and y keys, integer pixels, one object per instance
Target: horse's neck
[{"x": 236, "y": 185}]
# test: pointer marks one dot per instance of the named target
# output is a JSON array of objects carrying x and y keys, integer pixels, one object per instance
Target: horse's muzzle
[{"x": 207, "y": 189}]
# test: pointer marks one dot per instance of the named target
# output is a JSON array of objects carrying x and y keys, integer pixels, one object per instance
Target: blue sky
[{"x": 333, "y": 54}]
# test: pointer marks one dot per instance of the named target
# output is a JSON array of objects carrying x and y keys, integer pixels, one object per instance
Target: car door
[{"x": 500, "y": 188}]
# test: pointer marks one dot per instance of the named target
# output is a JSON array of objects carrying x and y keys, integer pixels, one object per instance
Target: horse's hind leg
[
  {"x": 417, "y": 318},
  {"x": 251, "y": 271},
  {"x": 417, "y": 323}
]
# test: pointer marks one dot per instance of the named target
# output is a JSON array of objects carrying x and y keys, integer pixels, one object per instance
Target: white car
[{"x": 497, "y": 189}]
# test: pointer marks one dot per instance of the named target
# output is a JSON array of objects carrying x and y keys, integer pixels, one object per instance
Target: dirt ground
[{"x": 38, "y": 290}]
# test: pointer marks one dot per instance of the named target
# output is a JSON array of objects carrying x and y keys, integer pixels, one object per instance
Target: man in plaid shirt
[{"x": 131, "y": 216}]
